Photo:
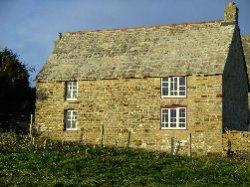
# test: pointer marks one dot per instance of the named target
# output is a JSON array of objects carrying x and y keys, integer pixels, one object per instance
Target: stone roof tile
[{"x": 155, "y": 51}]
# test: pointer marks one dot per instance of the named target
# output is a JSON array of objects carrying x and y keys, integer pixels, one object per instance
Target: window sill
[
  {"x": 72, "y": 130},
  {"x": 175, "y": 97},
  {"x": 173, "y": 128},
  {"x": 72, "y": 100}
]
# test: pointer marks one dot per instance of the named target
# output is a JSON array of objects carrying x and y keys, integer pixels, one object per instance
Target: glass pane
[
  {"x": 73, "y": 124},
  {"x": 165, "y": 111},
  {"x": 164, "y": 84},
  {"x": 175, "y": 83},
  {"x": 182, "y": 93},
  {"x": 68, "y": 124},
  {"x": 172, "y": 124},
  {"x": 68, "y": 94},
  {"x": 166, "y": 125},
  {"x": 164, "y": 91},
  {"x": 173, "y": 113},
  {"x": 74, "y": 94},
  {"x": 165, "y": 79},
  {"x": 182, "y": 112},
  {"x": 182, "y": 81},
  {"x": 182, "y": 88},
  {"x": 173, "y": 120},
  {"x": 182, "y": 120},
  {"x": 172, "y": 86},
  {"x": 181, "y": 124},
  {"x": 162, "y": 125}
]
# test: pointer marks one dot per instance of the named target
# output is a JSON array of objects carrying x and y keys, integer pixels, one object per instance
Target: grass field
[{"x": 22, "y": 163}]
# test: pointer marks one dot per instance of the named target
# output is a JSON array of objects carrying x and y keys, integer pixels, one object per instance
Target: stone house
[{"x": 174, "y": 88}]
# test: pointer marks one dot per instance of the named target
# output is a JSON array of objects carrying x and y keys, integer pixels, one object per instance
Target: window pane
[
  {"x": 73, "y": 124},
  {"x": 74, "y": 94},
  {"x": 173, "y": 120},
  {"x": 175, "y": 83},
  {"x": 182, "y": 88},
  {"x": 181, "y": 125},
  {"x": 173, "y": 124},
  {"x": 165, "y": 91},
  {"x": 173, "y": 113},
  {"x": 182, "y": 93},
  {"x": 166, "y": 124},
  {"x": 165, "y": 79},
  {"x": 182, "y": 112},
  {"x": 182, "y": 120},
  {"x": 165, "y": 84},
  {"x": 68, "y": 125},
  {"x": 182, "y": 80}
]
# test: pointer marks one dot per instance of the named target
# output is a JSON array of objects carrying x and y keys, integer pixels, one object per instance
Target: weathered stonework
[
  {"x": 129, "y": 112},
  {"x": 237, "y": 141}
]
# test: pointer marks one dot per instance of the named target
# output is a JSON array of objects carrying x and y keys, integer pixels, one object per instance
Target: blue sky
[{"x": 30, "y": 27}]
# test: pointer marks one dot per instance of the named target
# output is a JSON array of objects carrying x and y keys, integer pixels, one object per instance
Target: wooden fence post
[
  {"x": 190, "y": 145},
  {"x": 102, "y": 134},
  {"x": 31, "y": 124},
  {"x": 172, "y": 145},
  {"x": 129, "y": 138}
]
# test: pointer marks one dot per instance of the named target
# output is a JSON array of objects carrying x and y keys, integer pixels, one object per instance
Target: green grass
[{"x": 22, "y": 163}]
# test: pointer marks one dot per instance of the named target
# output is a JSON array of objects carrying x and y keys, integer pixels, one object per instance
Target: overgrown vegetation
[
  {"x": 55, "y": 163},
  {"x": 17, "y": 98}
]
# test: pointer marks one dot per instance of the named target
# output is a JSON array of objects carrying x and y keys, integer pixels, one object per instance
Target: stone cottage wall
[
  {"x": 237, "y": 141},
  {"x": 235, "y": 88},
  {"x": 126, "y": 113}
]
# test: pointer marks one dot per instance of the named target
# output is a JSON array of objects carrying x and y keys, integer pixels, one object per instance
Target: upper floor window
[
  {"x": 71, "y": 90},
  {"x": 173, "y": 118},
  {"x": 70, "y": 120},
  {"x": 173, "y": 87}
]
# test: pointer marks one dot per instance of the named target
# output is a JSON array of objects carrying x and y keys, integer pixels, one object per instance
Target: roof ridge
[
  {"x": 245, "y": 37},
  {"x": 146, "y": 26}
]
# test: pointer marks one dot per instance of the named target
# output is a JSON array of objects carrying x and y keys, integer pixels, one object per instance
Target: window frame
[
  {"x": 71, "y": 93},
  {"x": 177, "y": 109},
  {"x": 178, "y": 87},
  {"x": 71, "y": 116}
]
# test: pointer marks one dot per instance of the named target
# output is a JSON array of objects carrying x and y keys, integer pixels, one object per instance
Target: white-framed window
[
  {"x": 173, "y": 118},
  {"x": 173, "y": 87},
  {"x": 70, "y": 119},
  {"x": 71, "y": 90}
]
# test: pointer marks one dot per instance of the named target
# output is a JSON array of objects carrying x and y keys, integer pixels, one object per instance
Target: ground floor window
[
  {"x": 173, "y": 118},
  {"x": 70, "y": 119}
]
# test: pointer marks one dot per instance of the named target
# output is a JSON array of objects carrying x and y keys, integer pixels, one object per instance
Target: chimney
[{"x": 231, "y": 13}]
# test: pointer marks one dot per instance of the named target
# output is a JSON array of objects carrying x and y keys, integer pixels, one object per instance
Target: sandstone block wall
[
  {"x": 127, "y": 113},
  {"x": 237, "y": 141}
]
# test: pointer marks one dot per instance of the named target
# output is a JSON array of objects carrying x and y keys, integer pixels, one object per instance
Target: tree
[{"x": 16, "y": 96}]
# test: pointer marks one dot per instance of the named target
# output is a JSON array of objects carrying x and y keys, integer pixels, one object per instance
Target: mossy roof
[{"x": 155, "y": 51}]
